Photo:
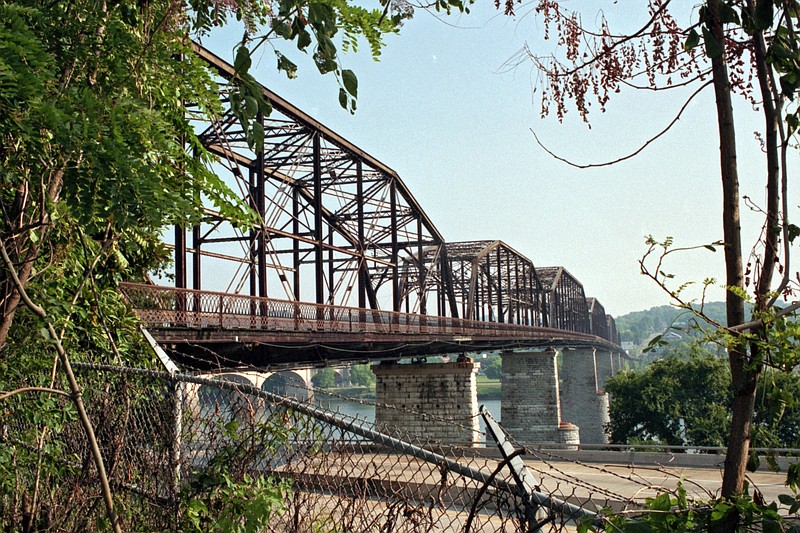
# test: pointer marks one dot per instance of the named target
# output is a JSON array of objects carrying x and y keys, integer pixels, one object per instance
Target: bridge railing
[{"x": 172, "y": 308}]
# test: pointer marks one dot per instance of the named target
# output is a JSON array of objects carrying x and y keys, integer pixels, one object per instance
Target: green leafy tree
[
  {"x": 324, "y": 378},
  {"x": 97, "y": 157},
  {"x": 744, "y": 47},
  {"x": 681, "y": 401},
  {"x": 494, "y": 367},
  {"x": 362, "y": 375},
  {"x": 684, "y": 399}
]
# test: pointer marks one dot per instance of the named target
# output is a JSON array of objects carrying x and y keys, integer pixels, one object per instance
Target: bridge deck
[{"x": 261, "y": 331}]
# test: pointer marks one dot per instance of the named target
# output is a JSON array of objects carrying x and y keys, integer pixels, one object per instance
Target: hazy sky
[{"x": 441, "y": 109}]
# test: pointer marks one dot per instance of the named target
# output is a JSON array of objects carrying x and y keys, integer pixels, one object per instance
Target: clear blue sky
[{"x": 441, "y": 109}]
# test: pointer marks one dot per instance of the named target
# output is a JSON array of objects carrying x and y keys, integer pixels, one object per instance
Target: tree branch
[
  {"x": 631, "y": 155},
  {"x": 73, "y": 383},
  {"x": 6, "y": 395}
]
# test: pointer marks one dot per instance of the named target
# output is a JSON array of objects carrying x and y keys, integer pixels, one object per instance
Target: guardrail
[{"x": 161, "y": 306}]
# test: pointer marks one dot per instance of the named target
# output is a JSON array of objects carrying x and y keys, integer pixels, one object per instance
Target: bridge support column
[
  {"x": 619, "y": 365},
  {"x": 582, "y": 403},
  {"x": 604, "y": 362},
  {"x": 446, "y": 391},
  {"x": 530, "y": 407}
]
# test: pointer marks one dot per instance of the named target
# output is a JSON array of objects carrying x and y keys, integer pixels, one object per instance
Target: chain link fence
[{"x": 184, "y": 452}]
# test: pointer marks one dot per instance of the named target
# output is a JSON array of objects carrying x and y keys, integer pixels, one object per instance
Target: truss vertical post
[
  {"x": 478, "y": 308},
  {"x": 295, "y": 242},
  {"x": 261, "y": 206},
  {"x": 362, "y": 263},
  {"x": 331, "y": 272},
  {"x": 490, "y": 291},
  {"x": 253, "y": 238},
  {"x": 180, "y": 257},
  {"x": 447, "y": 283},
  {"x": 196, "y": 266},
  {"x": 196, "y": 263},
  {"x": 319, "y": 270},
  {"x": 440, "y": 286},
  {"x": 395, "y": 273},
  {"x": 423, "y": 271},
  {"x": 500, "y": 315},
  {"x": 512, "y": 311}
]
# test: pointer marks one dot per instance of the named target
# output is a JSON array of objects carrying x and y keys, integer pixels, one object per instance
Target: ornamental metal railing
[{"x": 168, "y": 307}]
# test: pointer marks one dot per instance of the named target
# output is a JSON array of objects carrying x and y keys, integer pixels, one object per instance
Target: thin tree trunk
[
  {"x": 10, "y": 297},
  {"x": 743, "y": 400}
]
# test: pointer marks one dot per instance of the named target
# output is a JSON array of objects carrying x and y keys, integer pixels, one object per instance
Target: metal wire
[{"x": 162, "y": 434}]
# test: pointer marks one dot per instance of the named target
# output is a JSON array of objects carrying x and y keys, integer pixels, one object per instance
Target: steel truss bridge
[{"x": 344, "y": 263}]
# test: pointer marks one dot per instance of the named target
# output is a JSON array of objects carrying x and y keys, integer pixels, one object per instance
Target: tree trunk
[
  {"x": 743, "y": 400},
  {"x": 25, "y": 254}
]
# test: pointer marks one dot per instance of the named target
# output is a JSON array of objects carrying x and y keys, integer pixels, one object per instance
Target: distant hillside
[{"x": 639, "y": 326}]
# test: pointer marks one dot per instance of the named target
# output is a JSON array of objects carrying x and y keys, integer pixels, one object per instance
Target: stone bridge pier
[
  {"x": 530, "y": 407},
  {"x": 583, "y": 402},
  {"x": 437, "y": 401}
]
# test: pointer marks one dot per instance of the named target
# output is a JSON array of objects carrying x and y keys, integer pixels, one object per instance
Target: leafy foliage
[
  {"x": 362, "y": 375},
  {"x": 684, "y": 399},
  {"x": 224, "y": 497},
  {"x": 674, "y": 511},
  {"x": 97, "y": 157},
  {"x": 324, "y": 378},
  {"x": 494, "y": 367},
  {"x": 675, "y": 400}
]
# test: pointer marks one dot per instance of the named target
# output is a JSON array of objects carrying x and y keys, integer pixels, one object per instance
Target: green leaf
[
  {"x": 692, "y": 40},
  {"x": 287, "y": 66},
  {"x": 753, "y": 461},
  {"x": 303, "y": 39},
  {"x": 660, "y": 502},
  {"x": 771, "y": 526},
  {"x": 350, "y": 82},
  {"x": 720, "y": 511},
  {"x": 257, "y": 136},
  {"x": 728, "y": 15},
  {"x": 793, "y": 476},
  {"x": 343, "y": 98},
  {"x": 250, "y": 106},
  {"x": 793, "y": 232},
  {"x": 713, "y": 48},
  {"x": 242, "y": 61},
  {"x": 786, "y": 499},
  {"x": 790, "y": 82}
]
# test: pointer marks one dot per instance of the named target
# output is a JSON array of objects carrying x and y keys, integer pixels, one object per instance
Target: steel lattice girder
[
  {"x": 336, "y": 222},
  {"x": 598, "y": 323},
  {"x": 613, "y": 334},
  {"x": 492, "y": 281},
  {"x": 564, "y": 299}
]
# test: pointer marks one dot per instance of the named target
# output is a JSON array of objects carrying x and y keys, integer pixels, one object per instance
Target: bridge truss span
[
  {"x": 335, "y": 224},
  {"x": 343, "y": 263}
]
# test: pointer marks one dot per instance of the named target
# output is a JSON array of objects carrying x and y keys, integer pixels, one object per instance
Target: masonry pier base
[
  {"x": 530, "y": 409},
  {"x": 582, "y": 401},
  {"x": 437, "y": 401}
]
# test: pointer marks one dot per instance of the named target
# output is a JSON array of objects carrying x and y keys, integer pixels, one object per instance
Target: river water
[{"x": 366, "y": 411}]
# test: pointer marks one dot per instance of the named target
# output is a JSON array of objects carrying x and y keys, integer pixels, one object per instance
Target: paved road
[{"x": 623, "y": 482}]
